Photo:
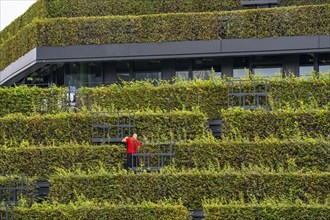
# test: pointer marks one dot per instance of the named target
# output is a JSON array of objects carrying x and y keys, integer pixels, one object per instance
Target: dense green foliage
[
  {"x": 190, "y": 186},
  {"x": 266, "y": 210},
  {"x": 43, "y": 161},
  {"x": 210, "y": 96},
  {"x": 282, "y": 124},
  {"x": 71, "y": 127},
  {"x": 274, "y": 22},
  {"x": 80, "y": 8},
  {"x": 87, "y": 210},
  {"x": 84, "y": 8},
  {"x": 297, "y": 93},
  {"x": 288, "y": 155},
  {"x": 28, "y": 100}
]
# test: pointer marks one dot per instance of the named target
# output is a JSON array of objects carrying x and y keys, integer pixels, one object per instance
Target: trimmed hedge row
[
  {"x": 289, "y": 155},
  {"x": 274, "y": 22},
  {"x": 71, "y": 127},
  {"x": 80, "y": 8},
  {"x": 83, "y": 8},
  {"x": 284, "y": 124},
  {"x": 90, "y": 210},
  {"x": 266, "y": 211},
  {"x": 190, "y": 186},
  {"x": 43, "y": 161},
  {"x": 28, "y": 100},
  {"x": 15, "y": 181},
  {"x": 295, "y": 92},
  {"x": 211, "y": 96}
]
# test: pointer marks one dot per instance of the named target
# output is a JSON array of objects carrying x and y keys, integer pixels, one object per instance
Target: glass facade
[
  {"x": 90, "y": 74},
  {"x": 267, "y": 71},
  {"x": 324, "y": 63},
  {"x": 306, "y": 65}
]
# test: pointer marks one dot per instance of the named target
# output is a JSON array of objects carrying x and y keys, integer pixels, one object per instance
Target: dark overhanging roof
[{"x": 166, "y": 50}]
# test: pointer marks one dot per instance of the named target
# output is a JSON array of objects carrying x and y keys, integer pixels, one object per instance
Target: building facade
[{"x": 221, "y": 41}]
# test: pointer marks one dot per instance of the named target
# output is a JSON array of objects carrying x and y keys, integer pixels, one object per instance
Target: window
[
  {"x": 183, "y": 75},
  {"x": 241, "y": 67},
  {"x": 182, "y": 68},
  {"x": 95, "y": 74},
  {"x": 123, "y": 70},
  {"x": 202, "y": 68},
  {"x": 306, "y": 65},
  {"x": 267, "y": 71},
  {"x": 147, "y": 70},
  {"x": 324, "y": 63},
  {"x": 240, "y": 73}
]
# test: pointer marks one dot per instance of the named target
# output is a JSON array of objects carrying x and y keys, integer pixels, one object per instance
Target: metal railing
[
  {"x": 241, "y": 94},
  {"x": 106, "y": 130},
  {"x": 152, "y": 155}
]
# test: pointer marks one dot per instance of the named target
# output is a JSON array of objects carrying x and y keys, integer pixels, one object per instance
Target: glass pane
[
  {"x": 305, "y": 70},
  {"x": 183, "y": 75},
  {"x": 148, "y": 75},
  {"x": 240, "y": 73},
  {"x": 267, "y": 71},
  {"x": 324, "y": 69}
]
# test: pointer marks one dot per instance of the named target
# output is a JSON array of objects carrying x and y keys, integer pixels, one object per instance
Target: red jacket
[{"x": 130, "y": 148}]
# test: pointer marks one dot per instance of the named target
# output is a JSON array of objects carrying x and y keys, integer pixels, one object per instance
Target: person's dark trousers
[{"x": 132, "y": 161}]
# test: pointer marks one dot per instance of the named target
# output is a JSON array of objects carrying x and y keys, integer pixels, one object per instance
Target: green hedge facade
[
  {"x": 274, "y": 22},
  {"x": 43, "y": 161},
  {"x": 80, "y": 8},
  {"x": 190, "y": 186},
  {"x": 210, "y": 96},
  {"x": 284, "y": 124},
  {"x": 71, "y": 127},
  {"x": 277, "y": 211},
  {"x": 288, "y": 155},
  {"x": 30, "y": 100},
  {"x": 90, "y": 210}
]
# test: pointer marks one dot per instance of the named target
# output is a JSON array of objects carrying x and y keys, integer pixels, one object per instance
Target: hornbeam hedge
[
  {"x": 43, "y": 161},
  {"x": 79, "y": 8},
  {"x": 210, "y": 96},
  {"x": 266, "y": 210},
  {"x": 29, "y": 100},
  {"x": 274, "y": 22},
  {"x": 191, "y": 186},
  {"x": 71, "y": 127},
  {"x": 84, "y": 8},
  {"x": 282, "y": 124},
  {"x": 289, "y": 155},
  {"x": 87, "y": 210}
]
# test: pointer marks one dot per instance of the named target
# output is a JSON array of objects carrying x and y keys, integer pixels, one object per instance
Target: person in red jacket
[{"x": 133, "y": 146}]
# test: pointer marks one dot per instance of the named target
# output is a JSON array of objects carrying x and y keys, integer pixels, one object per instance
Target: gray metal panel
[
  {"x": 82, "y": 51},
  {"x": 21, "y": 64},
  {"x": 175, "y": 48},
  {"x": 270, "y": 44},
  {"x": 128, "y": 50},
  {"x": 324, "y": 41}
]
